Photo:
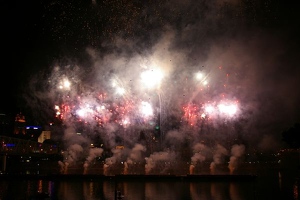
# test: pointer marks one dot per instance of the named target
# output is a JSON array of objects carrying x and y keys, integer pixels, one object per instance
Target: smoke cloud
[
  {"x": 237, "y": 151},
  {"x": 218, "y": 157},
  {"x": 93, "y": 154},
  {"x": 159, "y": 162}
]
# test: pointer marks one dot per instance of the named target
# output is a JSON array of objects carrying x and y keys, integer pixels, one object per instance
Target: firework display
[
  {"x": 131, "y": 105},
  {"x": 137, "y": 110},
  {"x": 162, "y": 86}
]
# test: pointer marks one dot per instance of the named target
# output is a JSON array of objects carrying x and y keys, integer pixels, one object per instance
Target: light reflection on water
[
  {"x": 273, "y": 185},
  {"x": 133, "y": 190},
  {"x": 98, "y": 190}
]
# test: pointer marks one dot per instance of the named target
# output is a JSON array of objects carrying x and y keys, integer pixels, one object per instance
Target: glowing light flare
[
  {"x": 100, "y": 108},
  {"x": 85, "y": 109},
  {"x": 227, "y": 109},
  {"x": 62, "y": 111},
  {"x": 98, "y": 114},
  {"x": 114, "y": 83},
  {"x": 58, "y": 113},
  {"x": 125, "y": 121},
  {"x": 146, "y": 109},
  {"x": 199, "y": 76},
  {"x": 120, "y": 90},
  {"x": 193, "y": 113},
  {"x": 203, "y": 115},
  {"x": 152, "y": 78},
  {"x": 65, "y": 84},
  {"x": 209, "y": 109},
  {"x": 82, "y": 112}
]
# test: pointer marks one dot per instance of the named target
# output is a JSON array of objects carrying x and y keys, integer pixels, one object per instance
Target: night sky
[{"x": 256, "y": 42}]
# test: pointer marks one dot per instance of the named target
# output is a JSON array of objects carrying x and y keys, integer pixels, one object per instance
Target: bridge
[{"x": 10, "y": 146}]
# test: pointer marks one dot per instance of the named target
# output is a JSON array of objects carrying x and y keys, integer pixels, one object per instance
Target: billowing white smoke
[
  {"x": 218, "y": 158},
  {"x": 237, "y": 151},
  {"x": 74, "y": 149},
  {"x": 134, "y": 156},
  {"x": 117, "y": 156},
  {"x": 136, "y": 153},
  {"x": 201, "y": 152},
  {"x": 63, "y": 167},
  {"x": 70, "y": 157},
  {"x": 159, "y": 161},
  {"x": 93, "y": 153}
]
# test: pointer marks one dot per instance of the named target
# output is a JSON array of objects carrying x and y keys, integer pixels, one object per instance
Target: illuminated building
[
  {"x": 45, "y": 135},
  {"x": 20, "y": 125},
  {"x": 24, "y": 131}
]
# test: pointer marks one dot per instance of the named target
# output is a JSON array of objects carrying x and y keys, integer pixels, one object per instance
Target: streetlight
[{"x": 152, "y": 79}]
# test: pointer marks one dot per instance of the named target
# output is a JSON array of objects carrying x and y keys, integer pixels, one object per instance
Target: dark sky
[{"x": 37, "y": 34}]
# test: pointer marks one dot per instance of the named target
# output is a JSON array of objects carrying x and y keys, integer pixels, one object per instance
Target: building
[
  {"x": 45, "y": 135},
  {"x": 22, "y": 130},
  {"x": 20, "y": 125}
]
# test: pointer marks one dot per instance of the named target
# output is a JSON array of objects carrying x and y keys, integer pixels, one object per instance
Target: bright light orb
[
  {"x": 151, "y": 78},
  {"x": 113, "y": 83},
  {"x": 81, "y": 113},
  {"x": 209, "y": 109},
  {"x": 199, "y": 76},
  {"x": 229, "y": 110},
  {"x": 125, "y": 121},
  {"x": 84, "y": 112},
  {"x": 146, "y": 109},
  {"x": 65, "y": 84},
  {"x": 120, "y": 91},
  {"x": 100, "y": 108}
]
